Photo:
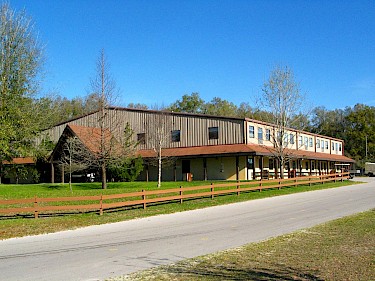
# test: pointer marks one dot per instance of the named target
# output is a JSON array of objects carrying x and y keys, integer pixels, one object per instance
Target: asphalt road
[{"x": 99, "y": 252}]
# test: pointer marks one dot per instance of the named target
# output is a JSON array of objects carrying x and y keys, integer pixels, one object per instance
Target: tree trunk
[
  {"x": 104, "y": 176},
  {"x": 159, "y": 172},
  {"x": 282, "y": 168},
  {"x": 70, "y": 181}
]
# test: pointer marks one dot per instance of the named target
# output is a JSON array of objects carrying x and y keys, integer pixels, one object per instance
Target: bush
[{"x": 127, "y": 169}]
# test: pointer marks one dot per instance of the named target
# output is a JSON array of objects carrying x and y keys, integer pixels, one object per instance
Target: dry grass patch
[{"x": 343, "y": 249}]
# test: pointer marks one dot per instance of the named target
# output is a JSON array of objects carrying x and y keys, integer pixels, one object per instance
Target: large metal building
[{"x": 203, "y": 147}]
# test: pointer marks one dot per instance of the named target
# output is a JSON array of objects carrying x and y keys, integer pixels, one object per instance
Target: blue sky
[{"x": 161, "y": 50}]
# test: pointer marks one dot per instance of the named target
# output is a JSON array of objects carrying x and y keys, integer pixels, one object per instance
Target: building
[{"x": 206, "y": 147}]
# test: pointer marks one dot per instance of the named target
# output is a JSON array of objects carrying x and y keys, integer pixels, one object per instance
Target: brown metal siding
[{"x": 193, "y": 129}]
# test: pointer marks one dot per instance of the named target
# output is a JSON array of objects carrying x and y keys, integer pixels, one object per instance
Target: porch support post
[
  {"x": 237, "y": 168},
  {"x": 261, "y": 167},
  {"x": 52, "y": 173},
  {"x": 205, "y": 168},
  {"x": 147, "y": 173},
  {"x": 62, "y": 174},
  {"x": 254, "y": 177},
  {"x": 175, "y": 171}
]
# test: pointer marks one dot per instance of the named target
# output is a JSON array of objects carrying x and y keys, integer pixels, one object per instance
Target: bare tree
[
  {"x": 282, "y": 97},
  {"x": 104, "y": 86},
  {"x": 159, "y": 136},
  {"x": 74, "y": 157}
]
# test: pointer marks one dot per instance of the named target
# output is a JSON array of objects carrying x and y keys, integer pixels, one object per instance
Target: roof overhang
[
  {"x": 20, "y": 161},
  {"x": 240, "y": 149}
]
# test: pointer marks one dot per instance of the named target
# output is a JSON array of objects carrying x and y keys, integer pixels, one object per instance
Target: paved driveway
[{"x": 97, "y": 252}]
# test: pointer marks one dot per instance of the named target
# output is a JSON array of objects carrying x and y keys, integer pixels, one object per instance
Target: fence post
[
  {"x": 279, "y": 187},
  {"x": 238, "y": 188},
  {"x": 260, "y": 185},
  {"x": 212, "y": 191},
  {"x": 309, "y": 180},
  {"x": 101, "y": 205},
  {"x": 181, "y": 192},
  {"x": 36, "y": 213},
  {"x": 144, "y": 198},
  {"x": 295, "y": 182}
]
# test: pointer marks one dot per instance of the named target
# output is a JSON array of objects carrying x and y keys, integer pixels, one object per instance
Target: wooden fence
[{"x": 143, "y": 198}]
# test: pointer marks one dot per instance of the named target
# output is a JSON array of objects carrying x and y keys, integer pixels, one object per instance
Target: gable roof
[{"x": 90, "y": 137}]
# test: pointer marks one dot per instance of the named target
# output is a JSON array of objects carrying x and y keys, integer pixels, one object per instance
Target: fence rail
[{"x": 143, "y": 198}]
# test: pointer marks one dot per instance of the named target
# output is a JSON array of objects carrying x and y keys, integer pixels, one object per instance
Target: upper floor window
[
  {"x": 326, "y": 142},
  {"x": 141, "y": 138},
  {"x": 306, "y": 141},
  {"x": 311, "y": 142},
  {"x": 291, "y": 139},
  {"x": 176, "y": 135},
  {"x": 268, "y": 134},
  {"x": 260, "y": 133},
  {"x": 300, "y": 141},
  {"x": 339, "y": 146},
  {"x": 317, "y": 143},
  {"x": 213, "y": 133},
  {"x": 251, "y": 132},
  {"x": 333, "y": 146}
]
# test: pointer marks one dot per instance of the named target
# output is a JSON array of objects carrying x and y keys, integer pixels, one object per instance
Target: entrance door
[
  {"x": 250, "y": 168},
  {"x": 185, "y": 166}
]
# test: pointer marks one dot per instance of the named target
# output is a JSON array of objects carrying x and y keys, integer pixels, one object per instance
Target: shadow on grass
[
  {"x": 276, "y": 273},
  {"x": 56, "y": 186}
]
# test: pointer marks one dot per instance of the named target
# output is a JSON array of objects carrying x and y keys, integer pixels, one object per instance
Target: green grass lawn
[
  {"x": 16, "y": 226},
  {"x": 339, "y": 250}
]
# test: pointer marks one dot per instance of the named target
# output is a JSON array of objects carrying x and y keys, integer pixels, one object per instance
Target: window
[
  {"x": 300, "y": 141},
  {"x": 286, "y": 139},
  {"x": 175, "y": 135},
  {"x": 322, "y": 145},
  {"x": 336, "y": 146},
  {"x": 306, "y": 141},
  {"x": 317, "y": 143},
  {"x": 251, "y": 132},
  {"x": 250, "y": 163},
  {"x": 268, "y": 134},
  {"x": 213, "y": 133},
  {"x": 260, "y": 135},
  {"x": 333, "y": 146},
  {"x": 141, "y": 138},
  {"x": 278, "y": 137},
  {"x": 291, "y": 139},
  {"x": 339, "y": 146},
  {"x": 310, "y": 142},
  {"x": 327, "y": 145}
]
